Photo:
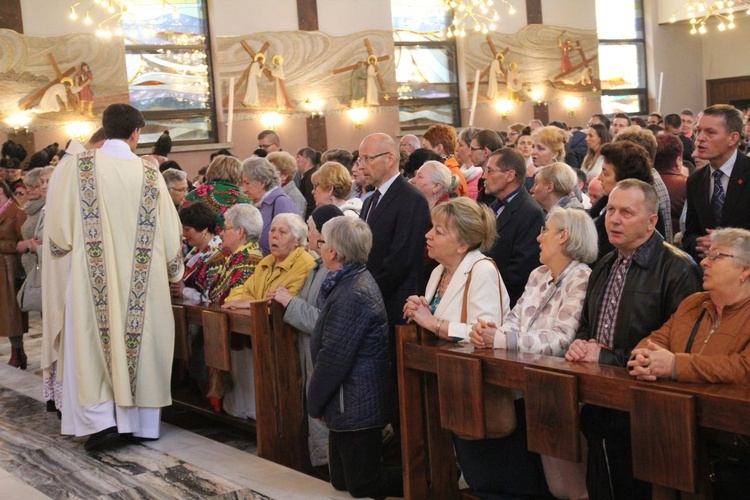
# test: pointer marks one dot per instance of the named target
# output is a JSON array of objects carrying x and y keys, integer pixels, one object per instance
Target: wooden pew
[
  {"x": 666, "y": 417},
  {"x": 281, "y": 425}
]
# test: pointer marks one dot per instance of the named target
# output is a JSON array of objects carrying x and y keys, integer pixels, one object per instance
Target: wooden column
[
  {"x": 307, "y": 15},
  {"x": 534, "y": 12},
  {"x": 307, "y": 18},
  {"x": 10, "y": 15}
]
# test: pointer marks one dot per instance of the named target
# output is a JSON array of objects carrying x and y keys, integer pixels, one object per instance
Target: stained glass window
[
  {"x": 169, "y": 68},
  {"x": 622, "y": 56}
]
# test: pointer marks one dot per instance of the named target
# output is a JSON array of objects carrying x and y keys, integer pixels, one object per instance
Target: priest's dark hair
[{"x": 120, "y": 120}]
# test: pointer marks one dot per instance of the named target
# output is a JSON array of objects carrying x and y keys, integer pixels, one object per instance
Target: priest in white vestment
[{"x": 111, "y": 216}]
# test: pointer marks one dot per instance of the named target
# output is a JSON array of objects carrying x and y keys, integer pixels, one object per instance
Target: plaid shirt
[
  {"x": 605, "y": 333},
  {"x": 664, "y": 205}
]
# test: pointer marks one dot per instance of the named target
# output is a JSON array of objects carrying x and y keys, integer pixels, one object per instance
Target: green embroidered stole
[{"x": 142, "y": 258}]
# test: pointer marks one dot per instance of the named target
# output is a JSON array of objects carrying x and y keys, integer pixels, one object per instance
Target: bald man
[
  {"x": 409, "y": 143},
  {"x": 399, "y": 217}
]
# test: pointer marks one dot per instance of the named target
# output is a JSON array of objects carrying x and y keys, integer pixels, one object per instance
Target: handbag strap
[
  {"x": 689, "y": 345},
  {"x": 465, "y": 301}
]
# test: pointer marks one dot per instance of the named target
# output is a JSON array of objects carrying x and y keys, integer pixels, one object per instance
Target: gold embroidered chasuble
[{"x": 115, "y": 219}]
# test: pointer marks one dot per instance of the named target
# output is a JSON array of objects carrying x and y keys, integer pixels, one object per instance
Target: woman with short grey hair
[
  {"x": 350, "y": 358},
  {"x": 242, "y": 227},
  {"x": 553, "y": 186},
  {"x": 177, "y": 185},
  {"x": 546, "y": 317},
  {"x": 260, "y": 182},
  {"x": 286, "y": 165}
]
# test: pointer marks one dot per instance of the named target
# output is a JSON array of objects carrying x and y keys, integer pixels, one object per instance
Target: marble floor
[{"x": 37, "y": 462}]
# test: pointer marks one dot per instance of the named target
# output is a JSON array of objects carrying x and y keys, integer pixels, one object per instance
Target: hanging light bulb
[
  {"x": 87, "y": 18},
  {"x": 105, "y": 3},
  {"x": 512, "y": 10},
  {"x": 673, "y": 19},
  {"x": 73, "y": 15},
  {"x": 721, "y": 26},
  {"x": 702, "y": 30},
  {"x": 693, "y": 31}
]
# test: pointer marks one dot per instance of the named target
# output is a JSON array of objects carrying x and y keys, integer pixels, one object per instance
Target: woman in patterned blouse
[
  {"x": 546, "y": 317},
  {"x": 242, "y": 226}
]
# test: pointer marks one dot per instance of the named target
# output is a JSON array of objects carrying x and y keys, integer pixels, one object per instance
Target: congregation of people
[{"x": 624, "y": 243}]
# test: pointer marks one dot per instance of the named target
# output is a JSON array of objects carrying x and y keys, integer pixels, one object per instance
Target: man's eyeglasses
[
  {"x": 181, "y": 190},
  {"x": 364, "y": 159},
  {"x": 488, "y": 170},
  {"x": 265, "y": 146}
]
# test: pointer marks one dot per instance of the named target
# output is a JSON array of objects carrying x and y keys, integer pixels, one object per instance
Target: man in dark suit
[
  {"x": 399, "y": 217},
  {"x": 718, "y": 195},
  {"x": 519, "y": 220}
]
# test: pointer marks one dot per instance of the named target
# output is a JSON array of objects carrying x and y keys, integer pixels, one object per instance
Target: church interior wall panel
[
  {"x": 342, "y": 133},
  {"x": 237, "y": 17},
  {"x": 724, "y": 54},
  {"x": 671, "y": 49},
  {"x": 570, "y": 13},
  {"x": 344, "y": 17}
]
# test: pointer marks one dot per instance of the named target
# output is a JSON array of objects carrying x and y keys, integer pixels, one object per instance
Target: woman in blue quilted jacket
[{"x": 352, "y": 388}]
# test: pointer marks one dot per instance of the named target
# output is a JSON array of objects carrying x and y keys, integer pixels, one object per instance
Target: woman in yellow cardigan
[{"x": 287, "y": 265}]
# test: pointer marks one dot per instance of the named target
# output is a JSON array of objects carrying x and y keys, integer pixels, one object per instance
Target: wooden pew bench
[
  {"x": 666, "y": 417},
  {"x": 281, "y": 423}
]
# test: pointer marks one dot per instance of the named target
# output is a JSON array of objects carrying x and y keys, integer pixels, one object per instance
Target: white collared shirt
[
  {"x": 118, "y": 149},
  {"x": 726, "y": 170},
  {"x": 383, "y": 188}
]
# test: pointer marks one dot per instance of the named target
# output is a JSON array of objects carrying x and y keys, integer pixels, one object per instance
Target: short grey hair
[
  {"x": 350, "y": 237},
  {"x": 32, "y": 178},
  {"x": 583, "y": 243},
  {"x": 295, "y": 223},
  {"x": 561, "y": 175},
  {"x": 247, "y": 217},
  {"x": 172, "y": 175},
  {"x": 261, "y": 170},
  {"x": 737, "y": 239},
  {"x": 442, "y": 176},
  {"x": 49, "y": 169}
]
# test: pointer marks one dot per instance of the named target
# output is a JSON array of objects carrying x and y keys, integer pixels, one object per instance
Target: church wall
[
  {"x": 725, "y": 54},
  {"x": 671, "y": 49},
  {"x": 337, "y": 18}
]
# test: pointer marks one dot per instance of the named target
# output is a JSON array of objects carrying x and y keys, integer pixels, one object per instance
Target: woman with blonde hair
[
  {"x": 220, "y": 189},
  {"x": 435, "y": 182},
  {"x": 553, "y": 186},
  {"x": 461, "y": 230},
  {"x": 549, "y": 146},
  {"x": 332, "y": 184}
]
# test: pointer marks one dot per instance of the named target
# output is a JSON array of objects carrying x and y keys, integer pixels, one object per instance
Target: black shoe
[{"x": 102, "y": 439}]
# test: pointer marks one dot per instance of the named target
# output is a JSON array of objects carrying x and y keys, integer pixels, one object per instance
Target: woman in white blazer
[{"x": 466, "y": 285}]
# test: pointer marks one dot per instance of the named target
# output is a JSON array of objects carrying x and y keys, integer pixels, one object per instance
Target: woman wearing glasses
[
  {"x": 177, "y": 184},
  {"x": 544, "y": 321},
  {"x": 707, "y": 340}
]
